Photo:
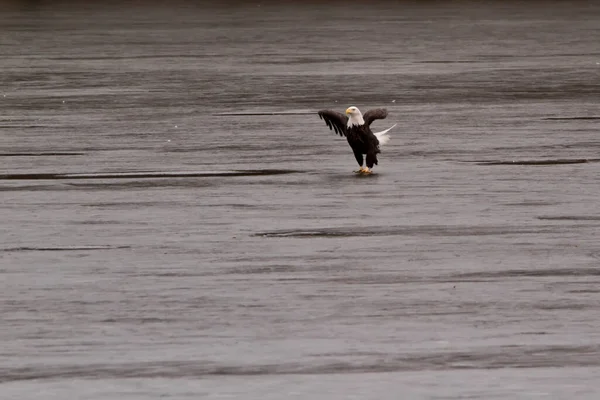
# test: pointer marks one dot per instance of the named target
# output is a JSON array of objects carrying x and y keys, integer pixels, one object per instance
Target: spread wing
[
  {"x": 372, "y": 115},
  {"x": 335, "y": 121}
]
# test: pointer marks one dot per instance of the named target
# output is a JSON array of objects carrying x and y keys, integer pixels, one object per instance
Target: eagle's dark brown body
[{"x": 360, "y": 137}]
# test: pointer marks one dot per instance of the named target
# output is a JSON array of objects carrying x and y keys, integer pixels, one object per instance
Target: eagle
[{"x": 357, "y": 129}]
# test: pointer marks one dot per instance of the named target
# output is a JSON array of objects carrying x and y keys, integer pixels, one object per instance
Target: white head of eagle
[{"x": 355, "y": 117}]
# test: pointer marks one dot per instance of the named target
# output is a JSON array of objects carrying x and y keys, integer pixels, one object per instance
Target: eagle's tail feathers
[{"x": 383, "y": 136}]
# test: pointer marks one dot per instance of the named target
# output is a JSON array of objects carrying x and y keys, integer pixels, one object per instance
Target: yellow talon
[{"x": 364, "y": 170}]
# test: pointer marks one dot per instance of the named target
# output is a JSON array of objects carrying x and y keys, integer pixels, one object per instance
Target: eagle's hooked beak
[{"x": 348, "y": 111}]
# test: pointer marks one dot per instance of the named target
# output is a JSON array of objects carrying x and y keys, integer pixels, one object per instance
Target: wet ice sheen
[{"x": 178, "y": 223}]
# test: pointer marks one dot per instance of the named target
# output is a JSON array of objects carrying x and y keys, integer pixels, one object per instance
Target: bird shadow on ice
[
  {"x": 355, "y": 174},
  {"x": 338, "y": 177}
]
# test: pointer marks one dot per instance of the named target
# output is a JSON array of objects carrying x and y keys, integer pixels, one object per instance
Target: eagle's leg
[
  {"x": 359, "y": 159},
  {"x": 371, "y": 160}
]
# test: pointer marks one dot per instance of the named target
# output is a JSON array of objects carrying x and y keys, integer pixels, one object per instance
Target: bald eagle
[{"x": 357, "y": 129}]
